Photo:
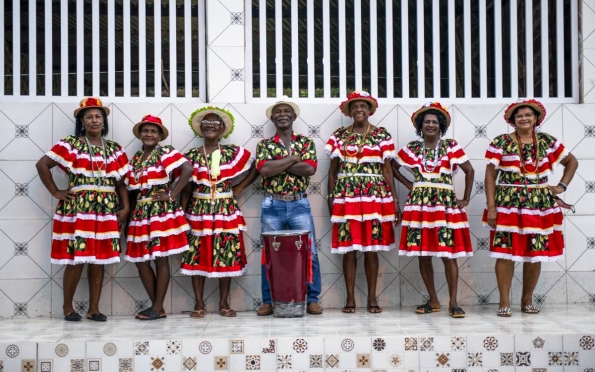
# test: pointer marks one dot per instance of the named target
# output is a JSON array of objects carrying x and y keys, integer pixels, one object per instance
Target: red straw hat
[
  {"x": 150, "y": 119},
  {"x": 432, "y": 106},
  {"x": 358, "y": 96},
  {"x": 91, "y": 102},
  {"x": 533, "y": 103}
]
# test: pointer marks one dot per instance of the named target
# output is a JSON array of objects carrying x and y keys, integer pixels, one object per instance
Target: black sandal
[
  {"x": 73, "y": 317},
  {"x": 426, "y": 309},
  {"x": 457, "y": 312},
  {"x": 150, "y": 314},
  {"x": 97, "y": 317}
]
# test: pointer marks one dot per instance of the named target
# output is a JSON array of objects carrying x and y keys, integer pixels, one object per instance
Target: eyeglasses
[{"x": 207, "y": 122}]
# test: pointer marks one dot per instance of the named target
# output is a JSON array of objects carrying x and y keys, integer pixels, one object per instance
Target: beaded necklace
[
  {"x": 521, "y": 153},
  {"x": 90, "y": 148},
  {"x": 212, "y": 182},
  {"x": 360, "y": 144},
  {"x": 427, "y": 165},
  {"x": 139, "y": 168}
]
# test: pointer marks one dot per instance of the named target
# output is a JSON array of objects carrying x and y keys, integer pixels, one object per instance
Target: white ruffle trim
[
  {"x": 86, "y": 235},
  {"x": 437, "y": 208},
  {"x": 86, "y": 217},
  {"x": 368, "y": 217},
  {"x": 517, "y": 230},
  {"x": 206, "y": 232},
  {"x": 363, "y": 199},
  {"x": 228, "y": 274},
  {"x": 530, "y": 212},
  {"x": 154, "y": 219},
  {"x": 153, "y": 255},
  {"x": 157, "y": 234},
  {"x": 403, "y": 252},
  {"x": 217, "y": 217},
  {"x": 534, "y": 259},
  {"x": 85, "y": 260},
  {"x": 432, "y": 225},
  {"x": 361, "y": 248}
]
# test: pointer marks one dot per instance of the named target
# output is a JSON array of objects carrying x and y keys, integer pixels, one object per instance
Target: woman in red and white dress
[
  {"x": 92, "y": 209},
  {"x": 215, "y": 239},
  {"x": 157, "y": 227},
  {"x": 434, "y": 221},
  {"x": 523, "y": 211}
]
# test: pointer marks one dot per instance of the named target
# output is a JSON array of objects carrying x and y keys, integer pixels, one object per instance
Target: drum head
[{"x": 286, "y": 232}]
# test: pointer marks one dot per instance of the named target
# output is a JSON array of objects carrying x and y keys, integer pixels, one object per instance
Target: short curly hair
[{"x": 441, "y": 119}]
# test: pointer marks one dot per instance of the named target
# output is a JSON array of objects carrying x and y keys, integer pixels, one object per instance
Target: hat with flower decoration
[
  {"x": 284, "y": 101},
  {"x": 358, "y": 96},
  {"x": 437, "y": 106},
  {"x": 150, "y": 119},
  {"x": 91, "y": 102},
  {"x": 533, "y": 103},
  {"x": 197, "y": 116}
]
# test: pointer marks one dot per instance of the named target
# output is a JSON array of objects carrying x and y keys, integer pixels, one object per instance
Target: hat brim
[
  {"x": 293, "y": 105},
  {"x": 345, "y": 105},
  {"x": 424, "y": 109},
  {"x": 136, "y": 129},
  {"x": 105, "y": 109},
  {"x": 197, "y": 119},
  {"x": 537, "y": 106}
]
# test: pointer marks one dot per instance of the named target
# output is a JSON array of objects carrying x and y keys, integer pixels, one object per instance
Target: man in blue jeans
[{"x": 286, "y": 162}]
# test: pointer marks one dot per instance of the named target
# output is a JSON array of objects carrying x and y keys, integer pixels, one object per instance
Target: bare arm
[
  {"x": 274, "y": 167},
  {"x": 246, "y": 181},
  {"x": 122, "y": 214},
  {"x": 302, "y": 169},
  {"x": 399, "y": 176},
  {"x": 469, "y": 174},
  {"x": 44, "y": 166},
  {"x": 490, "y": 186},
  {"x": 185, "y": 195},
  {"x": 185, "y": 174},
  {"x": 333, "y": 171},
  {"x": 570, "y": 165},
  {"x": 387, "y": 172}
]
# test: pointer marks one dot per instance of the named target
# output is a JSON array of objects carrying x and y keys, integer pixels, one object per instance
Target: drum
[{"x": 288, "y": 257}]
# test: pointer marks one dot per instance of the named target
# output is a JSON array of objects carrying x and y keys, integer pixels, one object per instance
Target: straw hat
[
  {"x": 432, "y": 106},
  {"x": 284, "y": 101},
  {"x": 358, "y": 96},
  {"x": 533, "y": 103},
  {"x": 197, "y": 117},
  {"x": 150, "y": 119},
  {"x": 91, "y": 102}
]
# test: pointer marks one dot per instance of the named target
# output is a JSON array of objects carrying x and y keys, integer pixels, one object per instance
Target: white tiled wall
[{"x": 30, "y": 286}]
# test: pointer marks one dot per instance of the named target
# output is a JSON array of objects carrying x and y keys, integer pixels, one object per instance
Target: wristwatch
[{"x": 563, "y": 185}]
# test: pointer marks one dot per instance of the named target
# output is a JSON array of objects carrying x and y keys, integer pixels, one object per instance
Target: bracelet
[
  {"x": 330, "y": 196},
  {"x": 563, "y": 185},
  {"x": 170, "y": 198}
]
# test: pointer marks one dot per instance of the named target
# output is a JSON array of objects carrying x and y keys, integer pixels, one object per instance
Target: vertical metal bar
[
  {"x": 2, "y": 46},
  {"x": 311, "y": 56},
  {"x": 202, "y": 51},
  {"x": 80, "y": 48},
  {"x": 483, "y": 51},
  {"x": 111, "y": 48},
  {"x": 405, "y": 46},
  {"x": 173, "y": 50},
  {"x": 357, "y": 21},
  {"x": 16, "y": 48},
  {"x": 295, "y": 51},
  {"x": 32, "y": 48},
  {"x": 262, "y": 25},
  {"x": 342, "y": 52},
  {"x": 64, "y": 36},
  {"x": 390, "y": 81},
  {"x": 127, "y": 41},
  {"x": 157, "y": 46},
  {"x": 574, "y": 48},
  {"x": 188, "y": 46},
  {"x": 421, "y": 52},
  {"x": 514, "y": 51},
  {"x": 326, "y": 41},
  {"x": 467, "y": 27},
  {"x": 545, "y": 52},
  {"x": 436, "y": 47},
  {"x": 49, "y": 57},
  {"x": 248, "y": 55},
  {"x": 96, "y": 44},
  {"x": 452, "y": 66},
  {"x": 498, "y": 46},
  {"x": 560, "y": 47},
  {"x": 142, "y": 49},
  {"x": 279, "y": 48},
  {"x": 529, "y": 46},
  {"x": 373, "y": 48}
]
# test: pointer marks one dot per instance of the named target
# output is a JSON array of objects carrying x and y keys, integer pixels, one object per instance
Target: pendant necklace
[
  {"x": 521, "y": 154},
  {"x": 90, "y": 148},
  {"x": 426, "y": 164},
  {"x": 138, "y": 171},
  {"x": 359, "y": 145},
  {"x": 212, "y": 182}
]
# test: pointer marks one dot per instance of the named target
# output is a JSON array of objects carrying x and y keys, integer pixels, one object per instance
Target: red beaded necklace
[{"x": 522, "y": 156}]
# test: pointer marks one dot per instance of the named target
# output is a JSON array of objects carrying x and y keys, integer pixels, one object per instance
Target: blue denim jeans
[{"x": 290, "y": 215}]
